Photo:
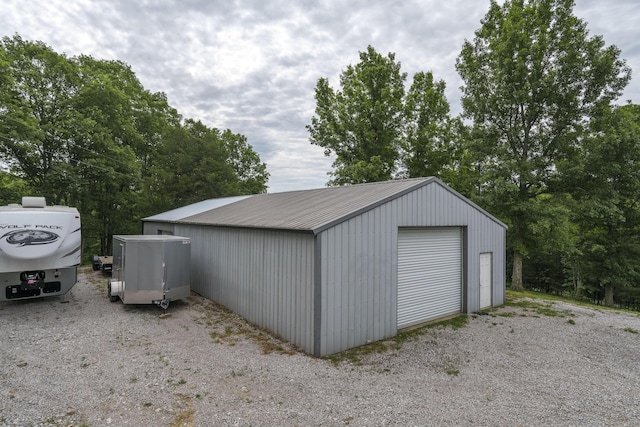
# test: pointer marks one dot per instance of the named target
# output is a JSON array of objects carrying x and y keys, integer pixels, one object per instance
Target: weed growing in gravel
[
  {"x": 235, "y": 328},
  {"x": 571, "y": 322},
  {"x": 234, "y": 374},
  {"x": 162, "y": 358},
  {"x": 181, "y": 381},
  {"x": 448, "y": 365},
  {"x": 504, "y": 314},
  {"x": 99, "y": 284},
  {"x": 356, "y": 355},
  {"x": 540, "y": 308},
  {"x": 455, "y": 323},
  {"x": 633, "y": 331}
]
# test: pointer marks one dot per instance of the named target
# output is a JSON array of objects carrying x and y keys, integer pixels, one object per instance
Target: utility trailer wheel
[{"x": 112, "y": 298}]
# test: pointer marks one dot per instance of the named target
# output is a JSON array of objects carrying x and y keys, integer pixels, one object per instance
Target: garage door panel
[
  {"x": 443, "y": 269},
  {"x": 437, "y": 290},
  {"x": 429, "y": 274}
]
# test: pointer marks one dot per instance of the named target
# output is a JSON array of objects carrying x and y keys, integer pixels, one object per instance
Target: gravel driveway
[{"x": 80, "y": 360}]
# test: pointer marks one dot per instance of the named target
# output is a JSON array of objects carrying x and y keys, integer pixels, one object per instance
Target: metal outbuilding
[{"x": 333, "y": 268}]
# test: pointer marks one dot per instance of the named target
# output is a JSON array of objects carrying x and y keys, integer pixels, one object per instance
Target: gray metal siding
[
  {"x": 153, "y": 227},
  {"x": 359, "y": 263},
  {"x": 264, "y": 276},
  {"x": 433, "y": 205},
  {"x": 358, "y": 281},
  {"x": 345, "y": 294}
]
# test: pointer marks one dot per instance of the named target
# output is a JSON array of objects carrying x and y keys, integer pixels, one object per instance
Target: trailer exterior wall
[
  {"x": 265, "y": 276},
  {"x": 151, "y": 267},
  {"x": 37, "y": 238}
]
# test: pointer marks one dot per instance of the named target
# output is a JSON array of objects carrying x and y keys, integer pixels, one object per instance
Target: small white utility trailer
[
  {"x": 40, "y": 248},
  {"x": 150, "y": 269}
]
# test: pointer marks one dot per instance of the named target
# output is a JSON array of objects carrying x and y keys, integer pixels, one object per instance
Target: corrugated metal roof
[
  {"x": 194, "y": 209},
  {"x": 306, "y": 210}
]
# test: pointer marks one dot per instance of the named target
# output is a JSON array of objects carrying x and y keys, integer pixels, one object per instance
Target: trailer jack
[{"x": 163, "y": 303}]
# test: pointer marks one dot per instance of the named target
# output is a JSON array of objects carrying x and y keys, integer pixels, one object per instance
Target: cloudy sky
[{"x": 252, "y": 66}]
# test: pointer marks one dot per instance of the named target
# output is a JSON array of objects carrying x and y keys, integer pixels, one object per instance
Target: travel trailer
[{"x": 40, "y": 249}]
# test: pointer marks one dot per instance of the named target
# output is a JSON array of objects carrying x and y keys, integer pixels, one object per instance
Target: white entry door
[{"x": 485, "y": 279}]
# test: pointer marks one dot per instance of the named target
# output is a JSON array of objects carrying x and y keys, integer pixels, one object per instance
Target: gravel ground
[{"x": 80, "y": 360}]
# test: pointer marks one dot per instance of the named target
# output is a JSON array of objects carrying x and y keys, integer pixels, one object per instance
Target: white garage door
[{"x": 429, "y": 274}]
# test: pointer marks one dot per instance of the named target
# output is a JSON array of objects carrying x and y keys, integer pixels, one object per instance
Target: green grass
[
  {"x": 455, "y": 323},
  {"x": 529, "y": 302},
  {"x": 356, "y": 355},
  {"x": 633, "y": 331},
  {"x": 516, "y": 295}
]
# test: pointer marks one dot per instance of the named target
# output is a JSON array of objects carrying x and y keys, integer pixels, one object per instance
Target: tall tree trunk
[
  {"x": 608, "y": 295},
  {"x": 516, "y": 274}
]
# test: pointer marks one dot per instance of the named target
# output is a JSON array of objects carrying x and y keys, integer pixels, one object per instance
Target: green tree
[
  {"x": 85, "y": 132},
  {"x": 551, "y": 267},
  {"x": 37, "y": 119},
  {"x": 250, "y": 173},
  {"x": 113, "y": 96},
  {"x": 606, "y": 182},
  {"x": 433, "y": 142},
  {"x": 13, "y": 188},
  {"x": 195, "y": 162},
  {"x": 532, "y": 79},
  {"x": 361, "y": 124},
  {"x": 120, "y": 129}
]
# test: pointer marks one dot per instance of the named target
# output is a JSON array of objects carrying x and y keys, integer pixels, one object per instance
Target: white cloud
[{"x": 252, "y": 66}]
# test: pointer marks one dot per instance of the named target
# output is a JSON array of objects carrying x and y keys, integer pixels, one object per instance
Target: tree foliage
[
  {"x": 85, "y": 132},
  {"x": 361, "y": 124},
  {"x": 432, "y": 143},
  {"x": 533, "y": 78},
  {"x": 378, "y": 131},
  {"x": 605, "y": 180},
  {"x": 37, "y": 116},
  {"x": 538, "y": 144},
  {"x": 196, "y": 163}
]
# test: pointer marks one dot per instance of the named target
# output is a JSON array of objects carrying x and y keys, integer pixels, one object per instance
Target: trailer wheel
[{"x": 112, "y": 298}]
